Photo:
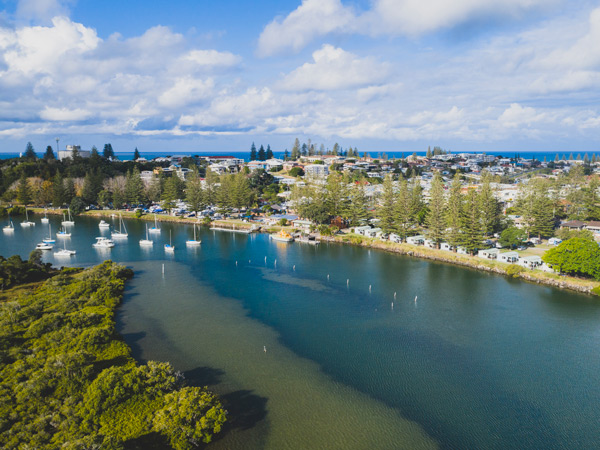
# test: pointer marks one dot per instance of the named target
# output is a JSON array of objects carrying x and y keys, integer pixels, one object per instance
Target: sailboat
[
  {"x": 27, "y": 222},
  {"x": 103, "y": 224},
  {"x": 44, "y": 246},
  {"x": 64, "y": 251},
  {"x": 146, "y": 242},
  {"x": 45, "y": 218},
  {"x": 49, "y": 239},
  {"x": 10, "y": 227},
  {"x": 193, "y": 242},
  {"x": 63, "y": 233},
  {"x": 122, "y": 233},
  {"x": 69, "y": 222},
  {"x": 169, "y": 247},
  {"x": 155, "y": 228},
  {"x": 103, "y": 242}
]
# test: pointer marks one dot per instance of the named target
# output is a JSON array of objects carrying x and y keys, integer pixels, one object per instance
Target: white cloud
[
  {"x": 333, "y": 68},
  {"x": 519, "y": 116},
  {"x": 64, "y": 114},
  {"x": 316, "y": 18},
  {"x": 311, "y": 19},
  {"x": 186, "y": 91},
  {"x": 211, "y": 58},
  {"x": 42, "y": 10}
]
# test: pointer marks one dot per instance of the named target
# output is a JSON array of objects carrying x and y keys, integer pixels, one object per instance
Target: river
[{"x": 341, "y": 347}]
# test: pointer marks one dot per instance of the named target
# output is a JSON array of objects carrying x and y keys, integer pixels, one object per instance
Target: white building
[
  {"x": 316, "y": 170},
  {"x": 68, "y": 152}
]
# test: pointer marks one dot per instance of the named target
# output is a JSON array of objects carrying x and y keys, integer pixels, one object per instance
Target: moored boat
[
  {"x": 103, "y": 242},
  {"x": 282, "y": 236}
]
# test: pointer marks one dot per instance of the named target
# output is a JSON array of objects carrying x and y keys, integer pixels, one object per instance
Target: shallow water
[{"x": 477, "y": 361}]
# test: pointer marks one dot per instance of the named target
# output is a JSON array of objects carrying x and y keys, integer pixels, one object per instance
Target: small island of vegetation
[{"x": 67, "y": 380}]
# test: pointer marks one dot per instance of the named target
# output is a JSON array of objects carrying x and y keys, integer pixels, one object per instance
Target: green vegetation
[
  {"x": 68, "y": 381},
  {"x": 577, "y": 256}
]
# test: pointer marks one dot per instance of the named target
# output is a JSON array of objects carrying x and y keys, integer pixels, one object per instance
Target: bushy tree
[
  {"x": 512, "y": 237},
  {"x": 580, "y": 257}
]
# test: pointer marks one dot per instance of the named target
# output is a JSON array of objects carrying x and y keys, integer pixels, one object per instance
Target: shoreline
[{"x": 555, "y": 280}]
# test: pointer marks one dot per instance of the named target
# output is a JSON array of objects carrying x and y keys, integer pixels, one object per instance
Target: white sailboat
[
  {"x": 10, "y": 227},
  {"x": 69, "y": 222},
  {"x": 122, "y": 233},
  {"x": 44, "y": 246},
  {"x": 155, "y": 229},
  {"x": 193, "y": 242},
  {"x": 169, "y": 247},
  {"x": 64, "y": 251},
  {"x": 45, "y": 218},
  {"x": 103, "y": 242},
  {"x": 146, "y": 242},
  {"x": 49, "y": 239},
  {"x": 27, "y": 222},
  {"x": 63, "y": 233}
]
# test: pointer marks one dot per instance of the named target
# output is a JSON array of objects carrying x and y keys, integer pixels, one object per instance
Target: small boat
[
  {"x": 282, "y": 236},
  {"x": 44, "y": 246},
  {"x": 63, "y": 234},
  {"x": 10, "y": 227},
  {"x": 193, "y": 242},
  {"x": 308, "y": 240},
  {"x": 27, "y": 222},
  {"x": 103, "y": 242},
  {"x": 49, "y": 239},
  {"x": 169, "y": 247},
  {"x": 64, "y": 251},
  {"x": 146, "y": 242},
  {"x": 45, "y": 218},
  {"x": 155, "y": 229},
  {"x": 103, "y": 224},
  {"x": 69, "y": 222},
  {"x": 236, "y": 230},
  {"x": 122, "y": 233}
]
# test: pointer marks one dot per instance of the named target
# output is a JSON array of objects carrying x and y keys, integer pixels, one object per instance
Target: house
[
  {"x": 302, "y": 224},
  {"x": 395, "y": 238},
  {"x": 593, "y": 226},
  {"x": 488, "y": 253},
  {"x": 362, "y": 230},
  {"x": 573, "y": 225},
  {"x": 509, "y": 257},
  {"x": 373, "y": 232},
  {"x": 447, "y": 247},
  {"x": 316, "y": 170},
  {"x": 429, "y": 243},
  {"x": 416, "y": 240},
  {"x": 531, "y": 262},
  {"x": 461, "y": 251}
]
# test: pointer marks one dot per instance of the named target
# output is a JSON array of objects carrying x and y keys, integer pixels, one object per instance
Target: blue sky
[{"x": 380, "y": 75}]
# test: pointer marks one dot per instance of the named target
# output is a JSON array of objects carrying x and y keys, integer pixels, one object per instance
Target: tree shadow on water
[
  {"x": 131, "y": 339},
  {"x": 245, "y": 409}
]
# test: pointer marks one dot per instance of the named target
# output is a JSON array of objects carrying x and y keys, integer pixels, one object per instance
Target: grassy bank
[{"x": 536, "y": 276}]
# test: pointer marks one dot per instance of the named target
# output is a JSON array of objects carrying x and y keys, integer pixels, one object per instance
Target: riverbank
[{"x": 512, "y": 270}]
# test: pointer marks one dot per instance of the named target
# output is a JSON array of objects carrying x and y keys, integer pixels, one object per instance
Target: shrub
[{"x": 514, "y": 270}]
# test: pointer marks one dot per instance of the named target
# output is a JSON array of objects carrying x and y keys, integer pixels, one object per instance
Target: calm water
[{"x": 477, "y": 361}]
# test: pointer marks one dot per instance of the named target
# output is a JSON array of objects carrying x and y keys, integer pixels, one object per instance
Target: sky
[{"x": 380, "y": 75}]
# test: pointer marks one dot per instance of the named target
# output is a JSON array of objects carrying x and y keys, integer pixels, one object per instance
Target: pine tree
[
  {"x": 262, "y": 155},
  {"x": 336, "y": 195},
  {"x": 429, "y": 155},
  {"x": 489, "y": 207},
  {"x": 58, "y": 191},
  {"x": 194, "y": 195},
  {"x": 24, "y": 190},
  {"x": 586, "y": 159},
  {"x": 387, "y": 212},
  {"x": 92, "y": 185},
  {"x": 592, "y": 200},
  {"x": 134, "y": 187},
  {"x": 69, "y": 191},
  {"x": 49, "y": 155},
  {"x": 253, "y": 155},
  {"x": 543, "y": 216},
  {"x": 357, "y": 206},
  {"x": 240, "y": 193},
  {"x": 296, "y": 150},
  {"x": 436, "y": 217},
  {"x": 108, "y": 152},
  {"x": 471, "y": 237},
  {"x": 453, "y": 213},
  {"x": 95, "y": 158},
  {"x": 269, "y": 152},
  {"x": 136, "y": 154},
  {"x": 30, "y": 152},
  {"x": 571, "y": 157},
  {"x": 171, "y": 193},
  {"x": 404, "y": 211},
  {"x": 416, "y": 203},
  {"x": 556, "y": 158},
  {"x": 336, "y": 149},
  {"x": 153, "y": 191},
  {"x": 210, "y": 190}
]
